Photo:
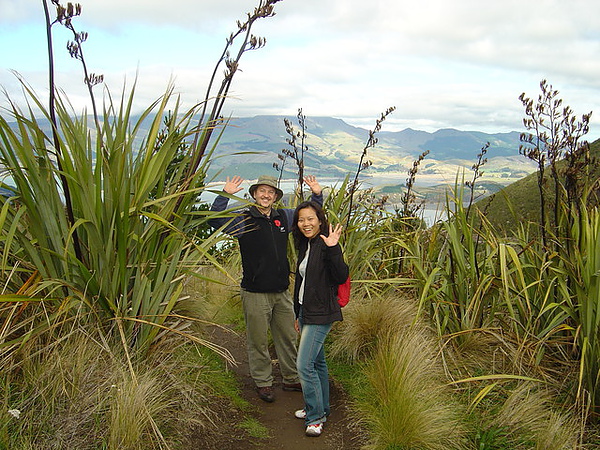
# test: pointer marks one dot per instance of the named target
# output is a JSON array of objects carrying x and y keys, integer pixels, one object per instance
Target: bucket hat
[{"x": 267, "y": 181}]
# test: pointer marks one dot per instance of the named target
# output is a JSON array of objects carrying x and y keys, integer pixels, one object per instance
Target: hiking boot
[
  {"x": 314, "y": 430},
  {"x": 266, "y": 394},
  {"x": 300, "y": 414},
  {"x": 292, "y": 387}
]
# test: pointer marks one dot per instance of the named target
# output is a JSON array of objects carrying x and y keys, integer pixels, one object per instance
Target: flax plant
[
  {"x": 535, "y": 293},
  {"x": 364, "y": 163},
  {"x": 555, "y": 132},
  {"x": 585, "y": 310},
  {"x": 367, "y": 239},
  {"x": 469, "y": 279},
  {"x": 295, "y": 152},
  {"x": 456, "y": 272},
  {"x": 135, "y": 258},
  {"x": 368, "y": 234},
  {"x": 105, "y": 218},
  {"x": 216, "y": 94}
]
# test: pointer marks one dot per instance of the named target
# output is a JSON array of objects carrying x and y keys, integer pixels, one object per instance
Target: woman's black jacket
[{"x": 325, "y": 270}]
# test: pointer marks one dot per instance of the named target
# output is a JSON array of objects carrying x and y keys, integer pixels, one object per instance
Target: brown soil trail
[{"x": 285, "y": 431}]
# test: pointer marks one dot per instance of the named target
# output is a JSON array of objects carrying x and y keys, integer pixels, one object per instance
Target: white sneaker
[
  {"x": 300, "y": 414},
  {"x": 314, "y": 430}
]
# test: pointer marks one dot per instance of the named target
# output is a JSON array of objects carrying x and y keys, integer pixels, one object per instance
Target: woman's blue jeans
[{"x": 312, "y": 370}]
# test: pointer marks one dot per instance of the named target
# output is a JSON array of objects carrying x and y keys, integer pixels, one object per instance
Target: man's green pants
[{"x": 274, "y": 311}]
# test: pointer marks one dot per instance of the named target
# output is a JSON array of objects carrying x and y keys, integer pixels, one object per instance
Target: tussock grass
[
  {"x": 533, "y": 423},
  {"x": 134, "y": 403},
  {"x": 406, "y": 404},
  {"x": 80, "y": 391},
  {"x": 367, "y": 321},
  {"x": 484, "y": 352},
  {"x": 403, "y": 399}
]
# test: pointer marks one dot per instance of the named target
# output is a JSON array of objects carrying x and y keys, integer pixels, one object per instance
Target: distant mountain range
[{"x": 249, "y": 147}]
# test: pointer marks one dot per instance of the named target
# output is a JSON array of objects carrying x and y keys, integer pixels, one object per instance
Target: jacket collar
[{"x": 254, "y": 212}]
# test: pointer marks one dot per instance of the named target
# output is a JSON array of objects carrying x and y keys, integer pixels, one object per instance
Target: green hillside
[{"x": 520, "y": 202}]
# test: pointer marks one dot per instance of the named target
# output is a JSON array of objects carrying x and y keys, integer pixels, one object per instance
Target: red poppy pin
[{"x": 277, "y": 223}]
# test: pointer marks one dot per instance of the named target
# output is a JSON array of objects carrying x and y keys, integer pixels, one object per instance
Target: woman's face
[{"x": 308, "y": 222}]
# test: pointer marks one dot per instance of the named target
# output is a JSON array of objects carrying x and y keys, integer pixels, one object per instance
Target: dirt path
[{"x": 285, "y": 431}]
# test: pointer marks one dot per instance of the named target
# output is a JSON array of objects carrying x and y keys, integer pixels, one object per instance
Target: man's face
[{"x": 265, "y": 196}]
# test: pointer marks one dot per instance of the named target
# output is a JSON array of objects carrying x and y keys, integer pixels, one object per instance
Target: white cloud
[{"x": 443, "y": 64}]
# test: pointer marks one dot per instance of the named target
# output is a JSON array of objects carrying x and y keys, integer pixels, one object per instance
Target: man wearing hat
[{"x": 262, "y": 233}]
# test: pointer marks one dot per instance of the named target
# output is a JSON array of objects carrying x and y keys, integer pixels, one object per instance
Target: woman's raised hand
[{"x": 334, "y": 235}]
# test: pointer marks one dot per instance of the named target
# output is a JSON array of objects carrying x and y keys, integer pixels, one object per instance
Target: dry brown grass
[
  {"x": 407, "y": 403},
  {"x": 528, "y": 414},
  {"x": 367, "y": 320},
  {"x": 82, "y": 392}
]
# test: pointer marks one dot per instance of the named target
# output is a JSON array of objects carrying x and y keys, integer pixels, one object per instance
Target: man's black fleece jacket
[{"x": 263, "y": 244}]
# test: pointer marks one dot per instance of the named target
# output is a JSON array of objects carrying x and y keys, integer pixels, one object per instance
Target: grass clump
[
  {"x": 83, "y": 392},
  {"x": 398, "y": 387},
  {"x": 366, "y": 321},
  {"x": 254, "y": 428},
  {"x": 213, "y": 296},
  {"x": 528, "y": 414},
  {"x": 405, "y": 404}
]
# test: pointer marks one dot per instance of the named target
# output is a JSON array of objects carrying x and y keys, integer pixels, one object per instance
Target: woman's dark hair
[{"x": 298, "y": 236}]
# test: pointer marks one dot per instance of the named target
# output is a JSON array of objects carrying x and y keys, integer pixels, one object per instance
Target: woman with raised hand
[{"x": 321, "y": 268}]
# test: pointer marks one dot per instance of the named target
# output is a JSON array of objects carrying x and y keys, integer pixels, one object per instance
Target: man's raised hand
[
  {"x": 233, "y": 186},
  {"x": 313, "y": 184}
]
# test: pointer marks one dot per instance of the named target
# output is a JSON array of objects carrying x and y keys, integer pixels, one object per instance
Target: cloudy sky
[{"x": 441, "y": 63}]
